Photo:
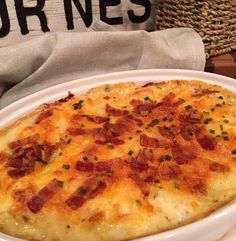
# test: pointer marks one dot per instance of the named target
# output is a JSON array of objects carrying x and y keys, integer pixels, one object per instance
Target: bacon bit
[
  {"x": 88, "y": 190},
  {"x": 181, "y": 154},
  {"x": 68, "y": 97},
  {"x": 116, "y": 141},
  {"x": 217, "y": 167},
  {"x": 135, "y": 102},
  {"x": 151, "y": 175},
  {"x": 97, "y": 217},
  {"x": 168, "y": 171},
  {"x": 45, "y": 114},
  {"x": 115, "y": 130},
  {"x": 48, "y": 151},
  {"x": 85, "y": 166},
  {"x": 145, "y": 155},
  {"x": 199, "y": 92},
  {"x": 130, "y": 118},
  {"x": 76, "y": 131},
  {"x": 23, "y": 142},
  {"x": 19, "y": 172},
  {"x": 106, "y": 97},
  {"x": 148, "y": 84},
  {"x": 97, "y": 119},
  {"x": 111, "y": 111},
  {"x": 144, "y": 109},
  {"x": 104, "y": 166},
  {"x": 206, "y": 142},
  {"x": 148, "y": 141},
  {"x": 140, "y": 183},
  {"x": 37, "y": 202},
  {"x": 138, "y": 165},
  {"x": 193, "y": 117},
  {"x": 22, "y": 195},
  {"x": 187, "y": 131},
  {"x": 168, "y": 132},
  {"x": 196, "y": 185}
]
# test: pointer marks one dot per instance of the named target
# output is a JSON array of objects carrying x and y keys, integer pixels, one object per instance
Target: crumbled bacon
[
  {"x": 25, "y": 141},
  {"x": 199, "y": 92},
  {"x": 85, "y": 166},
  {"x": 88, "y": 190},
  {"x": 193, "y": 117},
  {"x": 148, "y": 141},
  {"x": 168, "y": 132},
  {"x": 48, "y": 150},
  {"x": 182, "y": 154},
  {"x": 76, "y": 131},
  {"x": 138, "y": 166},
  {"x": 116, "y": 129},
  {"x": 206, "y": 142},
  {"x": 144, "y": 109},
  {"x": 104, "y": 166},
  {"x": 140, "y": 183},
  {"x": 195, "y": 185},
  {"x": 187, "y": 131},
  {"x": 111, "y": 111},
  {"x": 218, "y": 167},
  {"x": 168, "y": 171},
  {"x": 135, "y": 102},
  {"x": 65, "y": 99},
  {"x": 43, "y": 115},
  {"x": 19, "y": 172},
  {"x": 145, "y": 155},
  {"x": 97, "y": 119},
  {"x": 37, "y": 202}
]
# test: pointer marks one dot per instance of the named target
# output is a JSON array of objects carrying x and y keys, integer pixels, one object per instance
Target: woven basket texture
[{"x": 214, "y": 20}]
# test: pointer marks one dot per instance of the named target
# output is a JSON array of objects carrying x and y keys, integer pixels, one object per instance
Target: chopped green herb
[
  {"x": 164, "y": 119},
  {"x": 220, "y": 97},
  {"x": 212, "y": 109},
  {"x": 61, "y": 181},
  {"x": 226, "y": 121},
  {"x": 154, "y": 122},
  {"x": 81, "y": 126},
  {"x": 82, "y": 190},
  {"x": 107, "y": 89},
  {"x": 78, "y": 105},
  {"x": 156, "y": 181},
  {"x": 66, "y": 166},
  {"x": 221, "y": 127},
  {"x": 224, "y": 133},
  {"x": 139, "y": 203},
  {"x": 69, "y": 141},
  {"x": 212, "y": 131},
  {"x": 164, "y": 158},
  {"x": 130, "y": 153},
  {"x": 85, "y": 158},
  {"x": 206, "y": 112},
  {"x": 233, "y": 152},
  {"x": 188, "y": 107},
  {"x": 218, "y": 105},
  {"x": 130, "y": 138},
  {"x": 147, "y": 98},
  {"x": 25, "y": 218},
  {"x": 206, "y": 121},
  {"x": 226, "y": 138}
]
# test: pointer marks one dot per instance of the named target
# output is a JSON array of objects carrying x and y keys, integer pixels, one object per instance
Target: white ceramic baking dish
[{"x": 209, "y": 228}]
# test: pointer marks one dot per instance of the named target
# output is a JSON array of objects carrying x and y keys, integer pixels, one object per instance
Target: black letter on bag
[
  {"x": 140, "y": 19},
  {"x": 22, "y": 12},
  {"x": 103, "y": 12},
  {"x": 5, "y": 29},
  {"x": 87, "y": 15}
]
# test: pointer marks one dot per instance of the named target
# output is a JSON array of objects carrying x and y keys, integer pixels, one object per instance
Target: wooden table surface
[{"x": 224, "y": 64}]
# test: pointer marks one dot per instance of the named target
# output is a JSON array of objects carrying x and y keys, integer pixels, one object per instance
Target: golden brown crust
[{"x": 118, "y": 162}]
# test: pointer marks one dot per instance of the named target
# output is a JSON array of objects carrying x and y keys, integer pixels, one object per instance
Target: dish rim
[{"x": 21, "y": 107}]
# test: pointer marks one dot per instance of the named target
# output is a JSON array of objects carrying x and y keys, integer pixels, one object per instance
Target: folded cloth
[{"x": 55, "y": 58}]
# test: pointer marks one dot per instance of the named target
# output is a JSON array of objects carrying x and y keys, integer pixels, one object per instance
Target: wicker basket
[{"x": 214, "y": 20}]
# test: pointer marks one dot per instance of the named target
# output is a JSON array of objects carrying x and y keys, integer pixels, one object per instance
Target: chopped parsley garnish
[
  {"x": 25, "y": 218},
  {"x": 78, "y": 105},
  {"x": 188, "y": 107},
  {"x": 164, "y": 158},
  {"x": 226, "y": 138},
  {"x": 139, "y": 203},
  {"x": 130, "y": 138},
  {"x": 130, "y": 153},
  {"x": 233, "y": 152},
  {"x": 147, "y": 98},
  {"x": 164, "y": 119},
  {"x": 212, "y": 109},
  {"x": 107, "y": 89},
  {"x": 61, "y": 181},
  {"x": 206, "y": 121},
  {"x": 220, "y": 97},
  {"x": 221, "y": 127},
  {"x": 81, "y": 126},
  {"x": 226, "y": 121},
  {"x": 212, "y": 131},
  {"x": 154, "y": 122},
  {"x": 206, "y": 112},
  {"x": 69, "y": 141},
  {"x": 224, "y": 133},
  {"x": 82, "y": 190},
  {"x": 85, "y": 158},
  {"x": 66, "y": 166}
]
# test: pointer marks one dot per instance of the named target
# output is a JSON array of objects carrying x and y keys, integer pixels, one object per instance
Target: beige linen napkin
[{"x": 55, "y": 58}]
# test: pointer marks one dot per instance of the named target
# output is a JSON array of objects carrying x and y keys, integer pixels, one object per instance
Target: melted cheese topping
[{"x": 119, "y": 162}]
